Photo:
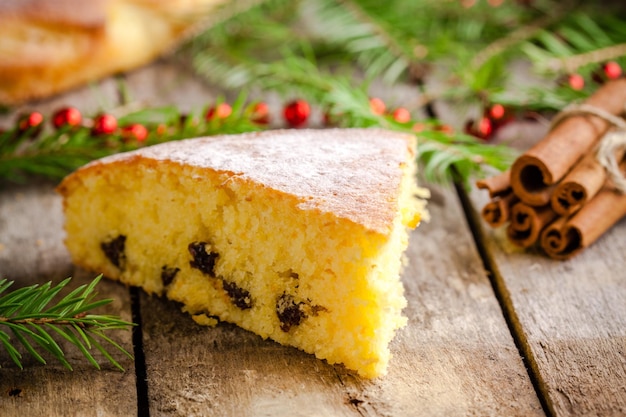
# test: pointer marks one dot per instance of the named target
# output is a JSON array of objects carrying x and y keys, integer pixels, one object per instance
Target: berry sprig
[
  {"x": 494, "y": 117},
  {"x": 69, "y": 116},
  {"x": 72, "y": 140},
  {"x": 30, "y": 122},
  {"x": 609, "y": 70},
  {"x": 570, "y": 87},
  {"x": 34, "y": 147},
  {"x": 34, "y": 317}
]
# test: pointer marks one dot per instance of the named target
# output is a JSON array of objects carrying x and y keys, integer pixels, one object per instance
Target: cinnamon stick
[
  {"x": 527, "y": 222},
  {"x": 580, "y": 184},
  {"x": 497, "y": 185},
  {"x": 535, "y": 173},
  {"x": 552, "y": 240},
  {"x": 498, "y": 211},
  {"x": 566, "y": 237}
]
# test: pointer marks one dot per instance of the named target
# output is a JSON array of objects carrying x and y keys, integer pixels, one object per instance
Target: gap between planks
[
  {"x": 141, "y": 373},
  {"x": 504, "y": 299}
]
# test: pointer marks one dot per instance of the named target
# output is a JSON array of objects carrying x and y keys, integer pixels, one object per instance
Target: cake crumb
[{"x": 204, "y": 320}]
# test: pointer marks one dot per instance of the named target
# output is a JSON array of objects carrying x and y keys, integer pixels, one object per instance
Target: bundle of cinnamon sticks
[{"x": 557, "y": 195}]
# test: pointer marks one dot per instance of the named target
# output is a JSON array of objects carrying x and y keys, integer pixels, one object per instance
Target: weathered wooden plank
[
  {"x": 33, "y": 252},
  {"x": 194, "y": 370},
  {"x": 30, "y": 233},
  {"x": 571, "y": 315},
  {"x": 456, "y": 357}
]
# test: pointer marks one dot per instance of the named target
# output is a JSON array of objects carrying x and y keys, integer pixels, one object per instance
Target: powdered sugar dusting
[{"x": 354, "y": 173}]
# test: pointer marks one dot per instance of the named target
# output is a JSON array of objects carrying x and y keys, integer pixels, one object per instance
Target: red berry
[
  {"x": 261, "y": 113},
  {"x": 485, "y": 127},
  {"x": 612, "y": 70},
  {"x": 69, "y": 116},
  {"x": 135, "y": 131},
  {"x": 482, "y": 129},
  {"x": 499, "y": 116},
  {"x": 297, "y": 113},
  {"x": 30, "y": 120},
  {"x": 31, "y": 123},
  {"x": 222, "y": 111},
  {"x": 576, "y": 82},
  {"x": 497, "y": 111},
  {"x": 401, "y": 115},
  {"x": 377, "y": 106},
  {"x": 104, "y": 124}
]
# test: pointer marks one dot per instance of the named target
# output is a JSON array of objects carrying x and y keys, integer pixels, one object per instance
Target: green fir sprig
[
  {"x": 329, "y": 52},
  {"x": 445, "y": 156},
  {"x": 54, "y": 153},
  {"x": 465, "y": 51},
  {"x": 33, "y": 317},
  {"x": 344, "y": 99}
]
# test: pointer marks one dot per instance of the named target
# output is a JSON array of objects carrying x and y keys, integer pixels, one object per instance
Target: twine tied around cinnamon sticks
[
  {"x": 567, "y": 190},
  {"x": 611, "y": 145}
]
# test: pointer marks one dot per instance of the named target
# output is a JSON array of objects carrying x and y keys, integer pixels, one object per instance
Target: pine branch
[
  {"x": 577, "y": 43},
  {"x": 32, "y": 317},
  {"x": 572, "y": 63},
  {"x": 514, "y": 38},
  {"x": 395, "y": 55},
  {"x": 389, "y": 38},
  {"x": 347, "y": 105},
  {"x": 383, "y": 42},
  {"x": 55, "y": 153}
]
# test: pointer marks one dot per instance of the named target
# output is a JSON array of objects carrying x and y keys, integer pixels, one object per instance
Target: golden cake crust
[{"x": 355, "y": 179}]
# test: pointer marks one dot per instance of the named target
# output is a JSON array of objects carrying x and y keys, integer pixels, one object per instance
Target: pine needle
[{"x": 33, "y": 317}]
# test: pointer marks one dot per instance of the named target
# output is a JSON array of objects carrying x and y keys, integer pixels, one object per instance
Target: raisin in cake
[{"x": 295, "y": 235}]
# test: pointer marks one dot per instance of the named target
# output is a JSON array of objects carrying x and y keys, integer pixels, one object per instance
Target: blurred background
[{"x": 454, "y": 72}]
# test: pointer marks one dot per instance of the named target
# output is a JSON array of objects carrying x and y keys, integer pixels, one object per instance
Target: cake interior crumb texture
[{"x": 295, "y": 235}]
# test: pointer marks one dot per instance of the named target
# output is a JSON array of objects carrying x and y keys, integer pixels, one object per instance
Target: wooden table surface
[{"x": 492, "y": 330}]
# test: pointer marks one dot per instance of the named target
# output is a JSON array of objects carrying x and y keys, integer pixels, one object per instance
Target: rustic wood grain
[
  {"x": 571, "y": 317},
  {"x": 455, "y": 358},
  {"x": 32, "y": 252},
  {"x": 53, "y": 390}
]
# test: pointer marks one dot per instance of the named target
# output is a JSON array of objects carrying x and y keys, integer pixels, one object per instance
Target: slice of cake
[{"x": 295, "y": 235}]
